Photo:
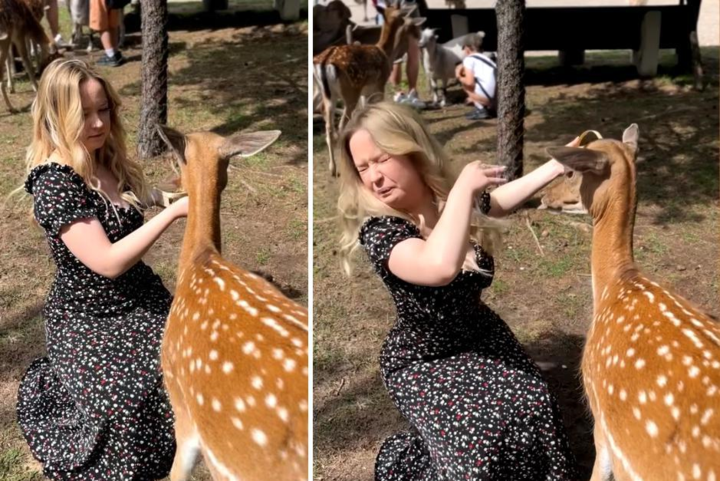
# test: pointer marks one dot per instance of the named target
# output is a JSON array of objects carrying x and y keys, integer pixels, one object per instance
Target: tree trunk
[
  {"x": 510, "y": 85},
  {"x": 154, "y": 77}
]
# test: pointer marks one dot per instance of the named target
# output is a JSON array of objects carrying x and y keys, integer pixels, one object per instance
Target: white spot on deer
[
  {"x": 273, "y": 308},
  {"x": 220, "y": 283},
  {"x": 214, "y": 336},
  {"x": 706, "y": 416},
  {"x": 278, "y": 354},
  {"x": 248, "y": 347},
  {"x": 693, "y": 371},
  {"x": 280, "y": 384},
  {"x": 289, "y": 364},
  {"x": 669, "y": 399},
  {"x": 623, "y": 394},
  {"x": 257, "y": 382},
  {"x": 303, "y": 406},
  {"x": 213, "y": 355},
  {"x": 237, "y": 423},
  {"x": 661, "y": 380},
  {"x": 611, "y": 389},
  {"x": 639, "y": 364},
  {"x": 662, "y": 350},
  {"x": 630, "y": 352},
  {"x": 650, "y": 296},
  {"x": 227, "y": 367},
  {"x": 675, "y": 411},
  {"x": 642, "y": 397},
  {"x": 651, "y": 428},
  {"x": 217, "y": 407},
  {"x": 283, "y": 413},
  {"x": 636, "y": 413},
  {"x": 248, "y": 308},
  {"x": 259, "y": 437},
  {"x": 200, "y": 399},
  {"x": 697, "y": 472},
  {"x": 240, "y": 405}
]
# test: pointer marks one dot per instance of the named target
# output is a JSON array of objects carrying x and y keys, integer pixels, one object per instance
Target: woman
[
  {"x": 95, "y": 407},
  {"x": 477, "y": 403}
]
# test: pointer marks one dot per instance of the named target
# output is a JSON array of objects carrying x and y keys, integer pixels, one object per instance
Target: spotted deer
[
  {"x": 651, "y": 364},
  {"x": 352, "y": 71},
  {"x": 20, "y": 23},
  {"x": 235, "y": 350}
]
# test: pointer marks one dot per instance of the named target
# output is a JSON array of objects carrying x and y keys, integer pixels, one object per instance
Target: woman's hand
[
  {"x": 477, "y": 177},
  {"x": 179, "y": 208}
]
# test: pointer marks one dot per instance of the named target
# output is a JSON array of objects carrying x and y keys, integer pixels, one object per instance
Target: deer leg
[
  {"x": 5, "y": 45},
  {"x": 329, "y": 114},
  {"x": 350, "y": 104},
  {"x": 188, "y": 448},
  {"x": 10, "y": 67},
  {"x": 443, "y": 102},
  {"x": 22, "y": 50},
  {"x": 602, "y": 469}
]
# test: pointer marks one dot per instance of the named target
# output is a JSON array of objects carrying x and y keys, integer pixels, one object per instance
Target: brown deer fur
[
  {"x": 352, "y": 71},
  {"x": 19, "y": 21},
  {"x": 651, "y": 364},
  {"x": 235, "y": 349}
]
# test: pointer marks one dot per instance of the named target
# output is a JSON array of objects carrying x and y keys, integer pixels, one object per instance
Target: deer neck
[
  {"x": 387, "y": 40},
  {"x": 612, "y": 245},
  {"x": 202, "y": 233}
]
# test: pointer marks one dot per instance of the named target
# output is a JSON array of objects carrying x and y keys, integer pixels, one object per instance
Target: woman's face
[
  {"x": 392, "y": 179},
  {"x": 96, "y": 110}
]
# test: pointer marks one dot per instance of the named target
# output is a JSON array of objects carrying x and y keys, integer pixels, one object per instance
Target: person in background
[{"x": 478, "y": 76}]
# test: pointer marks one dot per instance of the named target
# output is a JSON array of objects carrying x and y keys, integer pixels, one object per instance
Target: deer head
[
  {"x": 607, "y": 167},
  {"x": 204, "y": 157}
]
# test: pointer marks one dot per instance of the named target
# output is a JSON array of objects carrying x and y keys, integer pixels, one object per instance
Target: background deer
[
  {"x": 352, "y": 71},
  {"x": 651, "y": 364},
  {"x": 20, "y": 23},
  {"x": 235, "y": 350},
  {"x": 564, "y": 195}
]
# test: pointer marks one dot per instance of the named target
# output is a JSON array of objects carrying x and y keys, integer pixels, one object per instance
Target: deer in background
[
  {"x": 235, "y": 349},
  {"x": 651, "y": 364},
  {"x": 352, "y": 71},
  {"x": 564, "y": 195},
  {"x": 19, "y": 23}
]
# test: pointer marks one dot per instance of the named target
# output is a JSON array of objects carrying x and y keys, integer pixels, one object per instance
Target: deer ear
[
  {"x": 175, "y": 141},
  {"x": 630, "y": 137},
  {"x": 580, "y": 160},
  {"x": 417, "y": 21},
  {"x": 381, "y": 11},
  {"x": 247, "y": 144},
  {"x": 406, "y": 10}
]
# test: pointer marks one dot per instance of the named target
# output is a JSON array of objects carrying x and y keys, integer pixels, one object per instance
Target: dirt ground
[
  {"x": 219, "y": 80},
  {"x": 545, "y": 298}
]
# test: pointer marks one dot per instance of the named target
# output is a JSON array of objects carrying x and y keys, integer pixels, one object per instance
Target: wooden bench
[{"x": 572, "y": 30}]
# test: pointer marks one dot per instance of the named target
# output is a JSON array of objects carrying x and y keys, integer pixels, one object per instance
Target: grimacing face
[
  {"x": 392, "y": 179},
  {"x": 96, "y": 111}
]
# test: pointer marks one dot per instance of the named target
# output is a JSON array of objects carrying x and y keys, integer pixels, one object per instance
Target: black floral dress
[
  {"x": 95, "y": 408},
  {"x": 477, "y": 404}
]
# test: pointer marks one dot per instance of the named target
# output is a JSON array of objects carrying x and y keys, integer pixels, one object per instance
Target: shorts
[{"x": 101, "y": 18}]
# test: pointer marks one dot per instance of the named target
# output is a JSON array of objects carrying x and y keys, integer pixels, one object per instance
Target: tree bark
[
  {"x": 153, "y": 111},
  {"x": 510, "y": 85}
]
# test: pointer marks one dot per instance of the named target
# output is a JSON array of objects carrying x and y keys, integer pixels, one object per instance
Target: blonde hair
[
  {"x": 398, "y": 130},
  {"x": 58, "y": 122}
]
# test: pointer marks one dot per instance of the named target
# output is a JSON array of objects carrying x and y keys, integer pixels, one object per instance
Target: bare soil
[{"x": 544, "y": 297}]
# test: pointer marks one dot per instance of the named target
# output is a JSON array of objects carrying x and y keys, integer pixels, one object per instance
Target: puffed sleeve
[
  {"x": 60, "y": 197},
  {"x": 379, "y": 235}
]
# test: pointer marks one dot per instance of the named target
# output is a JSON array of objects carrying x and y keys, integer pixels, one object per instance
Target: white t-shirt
[{"x": 485, "y": 72}]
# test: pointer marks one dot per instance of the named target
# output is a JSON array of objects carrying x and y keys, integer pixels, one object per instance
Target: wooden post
[{"x": 510, "y": 85}]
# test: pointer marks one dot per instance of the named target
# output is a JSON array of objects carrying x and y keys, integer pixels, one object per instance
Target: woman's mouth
[{"x": 384, "y": 191}]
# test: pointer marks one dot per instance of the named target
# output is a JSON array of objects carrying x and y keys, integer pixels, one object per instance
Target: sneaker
[
  {"x": 413, "y": 101},
  {"x": 114, "y": 61},
  {"x": 60, "y": 42},
  {"x": 400, "y": 98},
  {"x": 478, "y": 114}
]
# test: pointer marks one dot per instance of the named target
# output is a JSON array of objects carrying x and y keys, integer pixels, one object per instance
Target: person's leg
[{"x": 413, "y": 63}]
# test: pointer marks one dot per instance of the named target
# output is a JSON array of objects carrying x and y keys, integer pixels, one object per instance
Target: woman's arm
[
  {"x": 437, "y": 260},
  {"x": 87, "y": 240},
  {"x": 505, "y": 199}
]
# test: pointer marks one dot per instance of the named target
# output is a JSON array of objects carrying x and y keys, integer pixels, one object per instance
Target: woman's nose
[{"x": 375, "y": 174}]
